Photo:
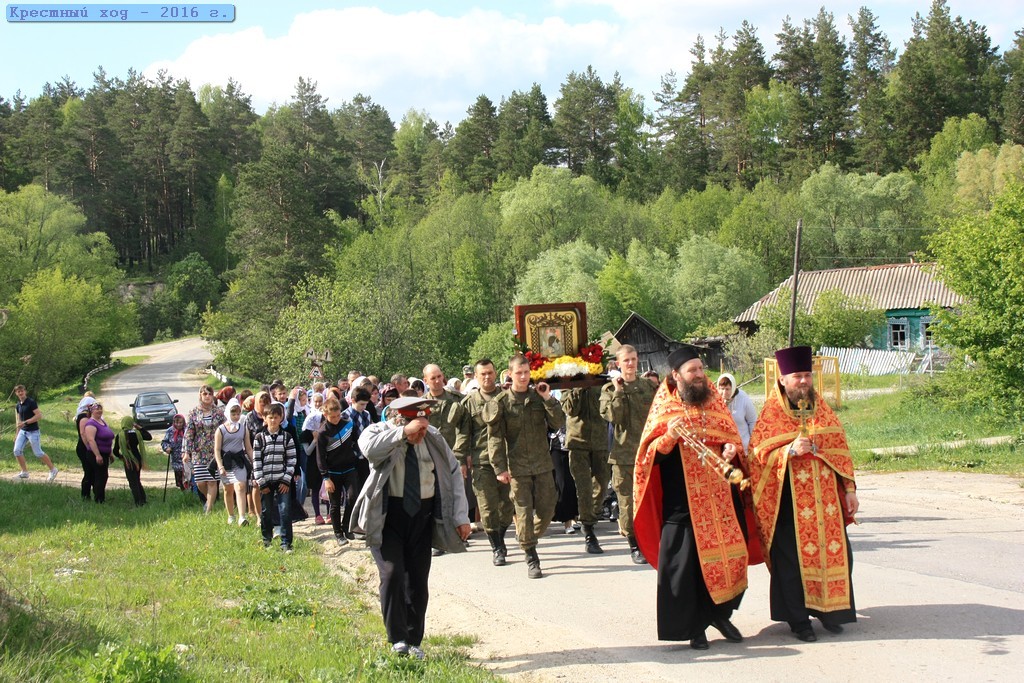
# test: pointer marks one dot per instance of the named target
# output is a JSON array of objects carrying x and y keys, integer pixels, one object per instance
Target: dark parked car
[{"x": 154, "y": 409}]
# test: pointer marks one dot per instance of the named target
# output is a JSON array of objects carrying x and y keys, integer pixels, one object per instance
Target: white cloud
[
  {"x": 416, "y": 59},
  {"x": 441, "y": 63}
]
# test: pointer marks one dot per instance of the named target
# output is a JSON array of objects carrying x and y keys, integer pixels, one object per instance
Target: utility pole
[{"x": 796, "y": 278}]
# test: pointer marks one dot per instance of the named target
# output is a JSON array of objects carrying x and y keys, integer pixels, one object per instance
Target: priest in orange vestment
[
  {"x": 804, "y": 494},
  {"x": 687, "y": 521}
]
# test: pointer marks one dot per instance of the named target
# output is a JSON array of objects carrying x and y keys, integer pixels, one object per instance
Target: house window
[
  {"x": 643, "y": 366},
  {"x": 927, "y": 340},
  {"x": 898, "y": 334}
]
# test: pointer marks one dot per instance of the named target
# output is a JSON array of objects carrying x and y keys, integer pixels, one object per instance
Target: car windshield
[{"x": 146, "y": 400}]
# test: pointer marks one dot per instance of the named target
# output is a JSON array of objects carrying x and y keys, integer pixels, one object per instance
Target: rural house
[{"x": 905, "y": 291}]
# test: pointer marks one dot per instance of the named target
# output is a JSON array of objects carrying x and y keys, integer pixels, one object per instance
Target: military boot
[
  {"x": 590, "y": 538},
  {"x": 634, "y": 552},
  {"x": 533, "y": 564},
  {"x": 501, "y": 540},
  {"x": 497, "y": 548}
]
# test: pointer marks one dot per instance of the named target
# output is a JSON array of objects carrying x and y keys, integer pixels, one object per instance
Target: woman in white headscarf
[
  {"x": 233, "y": 453},
  {"x": 88, "y": 462},
  {"x": 740, "y": 405}
]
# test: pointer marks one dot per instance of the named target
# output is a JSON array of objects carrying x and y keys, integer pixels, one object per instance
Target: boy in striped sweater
[{"x": 273, "y": 468}]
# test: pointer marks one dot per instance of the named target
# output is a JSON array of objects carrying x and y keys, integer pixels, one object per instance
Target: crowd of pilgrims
[{"x": 224, "y": 441}]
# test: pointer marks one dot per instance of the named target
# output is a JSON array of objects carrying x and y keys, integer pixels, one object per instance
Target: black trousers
[
  {"x": 344, "y": 487},
  {"x": 99, "y": 477},
  {"x": 88, "y": 461},
  {"x": 403, "y": 562},
  {"x": 685, "y": 608},
  {"x": 314, "y": 481},
  {"x": 786, "y": 589},
  {"x": 134, "y": 477}
]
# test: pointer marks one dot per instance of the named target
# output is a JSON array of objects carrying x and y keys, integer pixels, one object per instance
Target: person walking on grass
[
  {"x": 197, "y": 449},
  {"x": 99, "y": 441},
  {"x": 130, "y": 448},
  {"x": 26, "y": 420},
  {"x": 336, "y": 458},
  {"x": 233, "y": 452},
  {"x": 171, "y": 445},
  {"x": 86, "y": 458}
]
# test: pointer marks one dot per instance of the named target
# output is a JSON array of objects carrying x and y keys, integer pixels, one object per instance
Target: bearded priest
[{"x": 804, "y": 496}]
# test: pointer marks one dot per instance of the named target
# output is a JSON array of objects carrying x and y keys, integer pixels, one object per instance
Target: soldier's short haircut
[
  {"x": 483, "y": 361},
  {"x": 517, "y": 360},
  {"x": 625, "y": 348}
]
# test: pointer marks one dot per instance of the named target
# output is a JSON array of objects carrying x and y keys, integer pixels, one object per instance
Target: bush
[{"x": 132, "y": 664}]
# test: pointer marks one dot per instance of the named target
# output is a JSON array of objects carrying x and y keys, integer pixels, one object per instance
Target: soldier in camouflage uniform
[
  {"x": 518, "y": 420},
  {"x": 445, "y": 417},
  {"x": 625, "y": 402},
  {"x": 586, "y": 439},
  {"x": 446, "y": 414},
  {"x": 493, "y": 496}
]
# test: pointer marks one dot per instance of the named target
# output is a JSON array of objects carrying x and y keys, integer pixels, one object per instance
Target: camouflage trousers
[
  {"x": 534, "y": 498},
  {"x": 492, "y": 499},
  {"x": 590, "y": 471},
  {"x": 622, "y": 484}
]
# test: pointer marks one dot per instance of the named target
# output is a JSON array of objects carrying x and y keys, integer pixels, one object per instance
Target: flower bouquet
[{"x": 567, "y": 372}]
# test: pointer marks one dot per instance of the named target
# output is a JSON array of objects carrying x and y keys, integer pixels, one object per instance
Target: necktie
[{"x": 411, "y": 491}]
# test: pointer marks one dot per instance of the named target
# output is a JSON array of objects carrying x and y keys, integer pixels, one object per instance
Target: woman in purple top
[{"x": 99, "y": 441}]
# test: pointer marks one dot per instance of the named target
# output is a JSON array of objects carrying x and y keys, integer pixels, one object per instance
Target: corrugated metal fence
[{"x": 871, "y": 361}]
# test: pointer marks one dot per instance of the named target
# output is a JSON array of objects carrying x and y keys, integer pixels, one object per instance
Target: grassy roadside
[
  {"x": 58, "y": 436},
  {"x": 895, "y": 419},
  {"x": 161, "y": 593}
]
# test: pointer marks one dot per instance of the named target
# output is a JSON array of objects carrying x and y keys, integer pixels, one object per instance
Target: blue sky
[{"x": 434, "y": 56}]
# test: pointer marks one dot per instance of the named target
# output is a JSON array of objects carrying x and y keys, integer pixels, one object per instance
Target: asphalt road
[
  {"x": 175, "y": 367},
  {"x": 937, "y": 579}
]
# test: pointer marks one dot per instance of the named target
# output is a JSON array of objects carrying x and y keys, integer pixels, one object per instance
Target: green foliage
[
  {"x": 274, "y": 604},
  {"x": 40, "y": 230},
  {"x": 565, "y": 274},
  {"x": 860, "y": 219},
  {"x": 712, "y": 283},
  {"x": 60, "y": 326},
  {"x": 837, "y": 319},
  {"x": 495, "y": 343},
  {"x": 123, "y": 663},
  {"x": 745, "y": 354},
  {"x": 984, "y": 174},
  {"x": 981, "y": 257}
]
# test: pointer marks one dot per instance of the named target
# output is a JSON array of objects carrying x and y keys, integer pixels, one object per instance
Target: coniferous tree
[
  {"x": 871, "y": 63},
  {"x": 470, "y": 155},
  {"x": 526, "y": 136}
]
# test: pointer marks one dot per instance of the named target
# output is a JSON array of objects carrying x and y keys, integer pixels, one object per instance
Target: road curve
[{"x": 173, "y": 367}]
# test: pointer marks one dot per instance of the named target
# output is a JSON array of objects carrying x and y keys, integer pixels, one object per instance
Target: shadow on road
[{"x": 890, "y": 623}]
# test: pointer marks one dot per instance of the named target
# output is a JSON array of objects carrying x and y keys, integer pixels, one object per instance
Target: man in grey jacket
[{"x": 413, "y": 499}]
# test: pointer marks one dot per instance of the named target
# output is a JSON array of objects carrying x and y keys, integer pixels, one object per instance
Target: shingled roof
[{"x": 895, "y": 286}]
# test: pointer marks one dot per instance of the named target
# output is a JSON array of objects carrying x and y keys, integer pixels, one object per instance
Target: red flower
[
  {"x": 536, "y": 359},
  {"x": 592, "y": 354}
]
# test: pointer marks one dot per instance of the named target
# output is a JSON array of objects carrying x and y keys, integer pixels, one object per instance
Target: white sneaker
[
  {"x": 22, "y": 475},
  {"x": 231, "y": 519},
  {"x": 243, "y": 521},
  {"x": 400, "y": 648},
  {"x": 416, "y": 652},
  {"x": 53, "y": 475}
]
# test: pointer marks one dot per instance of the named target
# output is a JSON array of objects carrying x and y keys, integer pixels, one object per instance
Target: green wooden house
[{"x": 907, "y": 292}]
